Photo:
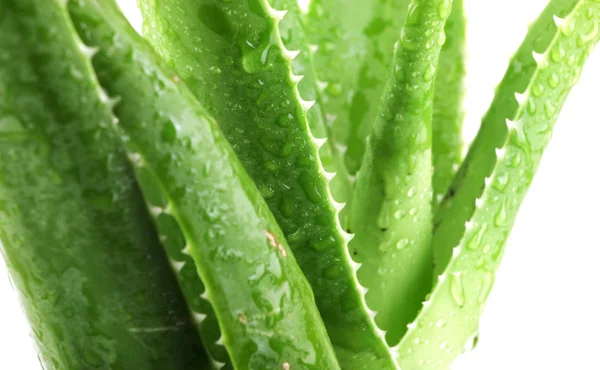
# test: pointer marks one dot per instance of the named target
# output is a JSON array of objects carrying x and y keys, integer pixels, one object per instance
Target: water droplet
[
  {"x": 411, "y": 192},
  {"x": 402, "y": 243},
  {"x": 265, "y": 54},
  {"x": 169, "y": 131},
  {"x": 334, "y": 89},
  {"x": 444, "y": 8},
  {"x": 414, "y": 14},
  {"x": 500, "y": 218},
  {"x": 407, "y": 42},
  {"x": 76, "y": 73},
  {"x": 516, "y": 160},
  {"x": 553, "y": 80},
  {"x": 457, "y": 290},
  {"x": 328, "y": 47},
  {"x": 568, "y": 27},
  {"x": 285, "y": 120},
  {"x": 477, "y": 238},
  {"x": 549, "y": 108},
  {"x": 501, "y": 181},
  {"x": 400, "y": 214},
  {"x": 429, "y": 73},
  {"x": 557, "y": 54},
  {"x": 311, "y": 187},
  {"x": 531, "y": 107},
  {"x": 537, "y": 90},
  {"x": 440, "y": 323},
  {"x": 441, "y": 39}
]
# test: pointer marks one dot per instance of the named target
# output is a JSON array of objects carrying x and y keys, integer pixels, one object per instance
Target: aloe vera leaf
[
  {"x": 392, "y": 218},
  {"x": 448, "y": 113},
  {"x": 294, "y": 37},
  {"x": 451, "y": 315},
  {"x": 263, "y": 303},
  {"x": 232, "y": 57},
  {"x": 355, "y": 40},
  {"x": 459, "y": 203},
  {"x": 76, "y": 236}
]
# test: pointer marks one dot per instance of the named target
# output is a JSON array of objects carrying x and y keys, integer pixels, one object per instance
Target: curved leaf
[
  {"x": 447, "y": 103},
  {"x": 232, "y": 57},
  {"x": 459, "y": 203},
  {"x": 76, "y": 236},
  {"x": 392, "y": 218},
  {"x": 263, "y": 303},
  {"x": 355, "y": 40},
  {"x": 293, "y": 31},
  {"x": 451, "y": 315}
]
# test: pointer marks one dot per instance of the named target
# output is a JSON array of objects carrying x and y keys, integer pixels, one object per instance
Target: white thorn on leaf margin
[
  {"x": 307, "y": 104},
  {"x": 291, "y": 54},
  {"x": 540, "y": 59},
  {"x": 319, "y": 142},
  {"x": 521, "y": 98},
  {"x": 296, "y": 78},
  {"x": 558, "y": 21}
]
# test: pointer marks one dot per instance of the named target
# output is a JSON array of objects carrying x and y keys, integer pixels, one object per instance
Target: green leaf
[
  {"x": 293, "y": 31},
  {"x": 263, "y": 303},
  {"x": 76, "y": 236},
  {"x": 447, "y": 107},
  {"x": 392, "y": 217},
  {"x": 355, "y": 40},
  {"x": 241, "y": 72},
  {"x": 451, "y": 314},
  {"x": 459, "y": 203}
]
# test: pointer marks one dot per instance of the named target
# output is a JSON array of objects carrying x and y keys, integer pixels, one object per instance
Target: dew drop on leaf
[
  {"x": 444, "y": 8},
  {"x": 500, "y": 218},
  {"x": 553, "y": 80},
  {"x": 457, "y": 290},
  {"x": 549, "y": 109},
  {"x": 429, "y": 73}
]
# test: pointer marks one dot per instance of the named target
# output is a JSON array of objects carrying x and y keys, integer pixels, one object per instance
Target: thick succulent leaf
[
  {"x": 448, "y": 114},
  {"x": 391, "y": 215},
  {"x": 355, "y": 41},
  {"x": 76, "y": 235},
  {"x": 294, "y": 36},
  {"x": 459, "y": 203},
  {"x": 263, "y": 303},
  {"x": 451, "y": 315},
  {"x": 232, "y": 56}
]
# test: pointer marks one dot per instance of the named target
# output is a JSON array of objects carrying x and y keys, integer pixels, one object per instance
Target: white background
[{"x": 544, "y": 312}]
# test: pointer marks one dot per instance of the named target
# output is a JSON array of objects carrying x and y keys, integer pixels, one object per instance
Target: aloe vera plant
[
  {"x": 76, "y": 236},
  {"x": 174, "y": 202}
]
